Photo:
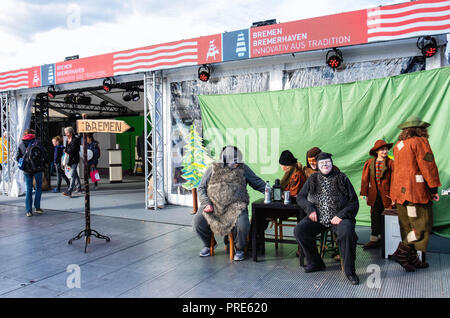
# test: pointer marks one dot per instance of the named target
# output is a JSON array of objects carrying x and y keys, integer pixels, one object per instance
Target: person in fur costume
[
  {"x": 330, "y": 201},
  {"x": 414, "y": 186},
  {"x": 224, "y": 199}
]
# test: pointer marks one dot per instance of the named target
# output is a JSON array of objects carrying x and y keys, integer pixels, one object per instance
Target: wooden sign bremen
[{"x": 102, "y": 126}]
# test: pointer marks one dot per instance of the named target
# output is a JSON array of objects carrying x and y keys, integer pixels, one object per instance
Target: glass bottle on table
[
  {"x": 268, "y": 193},
  {"x": 277, "y": 191}
]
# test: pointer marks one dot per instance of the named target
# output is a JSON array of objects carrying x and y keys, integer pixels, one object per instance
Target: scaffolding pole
[
  {"x": 4, "y": 145},
  {"x": 154, "y": 140},
  {"x": 8, "y": 115}
]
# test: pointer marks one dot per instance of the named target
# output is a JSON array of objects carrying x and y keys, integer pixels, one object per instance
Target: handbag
[
  {"x": 95, "y": 176},
  {"x": 64, "y": 159}
]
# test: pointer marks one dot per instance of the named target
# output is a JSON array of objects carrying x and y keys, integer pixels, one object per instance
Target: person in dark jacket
[
  {"x": 73, "y": 150},
  {"x": 57, "y": 154},
  {"x": 224, "y": 198},
  {"x": 93, "y": 145},
  {"x": 28, "y": 139},
  {"x": 330, "y": 201}
]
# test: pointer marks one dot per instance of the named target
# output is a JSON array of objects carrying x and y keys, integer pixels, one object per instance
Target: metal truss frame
[
  {"x": 8, "y": 109},
  {"x": 154, "y": 139}
]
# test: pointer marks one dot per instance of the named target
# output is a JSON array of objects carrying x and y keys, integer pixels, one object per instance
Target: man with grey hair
[
  {"x": 73, "y": 150},
  {"x": 224, "y": 199}
]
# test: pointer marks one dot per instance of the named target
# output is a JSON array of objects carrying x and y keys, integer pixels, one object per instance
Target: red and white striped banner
[
  {"x": 162, "y": 56},
  {"x": 406, "y": 20},
  {"x": 14, "y": 80},
  {"x": 385, "y": 23}
]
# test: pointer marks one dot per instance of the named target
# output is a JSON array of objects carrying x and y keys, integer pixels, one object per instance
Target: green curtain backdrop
[
  {"x": 344, "y": 120},
  {"x": 127, "y": 140}
]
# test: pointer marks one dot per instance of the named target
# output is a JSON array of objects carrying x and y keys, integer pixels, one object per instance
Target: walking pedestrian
[
  {"x": 33, "y": 157},
  {"x": 57, "y": 154},
  {"x": 93, "y": 145},
  {"x": 73, "y": 150}
]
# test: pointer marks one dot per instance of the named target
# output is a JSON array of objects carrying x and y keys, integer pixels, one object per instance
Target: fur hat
[
  {"x": 230, "y": 154},
  {"x": 287, "y": 158},
  {"x": 323, "y": 156}
]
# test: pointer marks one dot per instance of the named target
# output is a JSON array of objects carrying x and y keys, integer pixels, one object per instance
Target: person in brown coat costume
[
  {"x": 311, "y": 163},
  {"x": 413, "y": 188},
  {"x": 375, "y": 187}
]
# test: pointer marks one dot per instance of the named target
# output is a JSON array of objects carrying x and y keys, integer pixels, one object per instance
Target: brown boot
[
  {"x": 415, "y": 261},
  {"x": 372, "y": 244},
  {"x": 402, "y": 255}
]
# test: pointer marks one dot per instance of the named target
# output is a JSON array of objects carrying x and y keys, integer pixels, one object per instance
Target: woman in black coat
[{"x": 73, "y": 150}]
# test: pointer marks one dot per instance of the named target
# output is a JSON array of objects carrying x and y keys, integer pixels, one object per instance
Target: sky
[{"x": 34, "y": 33}]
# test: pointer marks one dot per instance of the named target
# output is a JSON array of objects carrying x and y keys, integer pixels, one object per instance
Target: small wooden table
[{"x": 261, "y": 211}]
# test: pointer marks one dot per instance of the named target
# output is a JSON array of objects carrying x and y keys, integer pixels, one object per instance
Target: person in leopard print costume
[{"x": 330, "y": 201}]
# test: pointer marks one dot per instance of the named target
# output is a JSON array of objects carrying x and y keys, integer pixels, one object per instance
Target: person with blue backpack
[{"x": 32, "y": 158}]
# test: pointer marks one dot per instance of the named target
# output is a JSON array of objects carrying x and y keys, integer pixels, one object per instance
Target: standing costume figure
[
  {"x": 413, "y": 186},
  {"x": 330, "y": 201},
  {"x": 375, "y": 185},
  {"x": 224, "y": 199}
]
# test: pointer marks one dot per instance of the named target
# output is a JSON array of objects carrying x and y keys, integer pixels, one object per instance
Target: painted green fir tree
[{"x": 195, "y": 160}]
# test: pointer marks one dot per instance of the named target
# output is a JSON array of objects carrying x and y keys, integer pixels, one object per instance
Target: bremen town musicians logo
[{"x": 212, "y": 51}]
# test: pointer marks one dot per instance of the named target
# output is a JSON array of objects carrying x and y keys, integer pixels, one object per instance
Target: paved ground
[
  {"x": 149, "y": 259},
  {"x": 123, "y": 200}
]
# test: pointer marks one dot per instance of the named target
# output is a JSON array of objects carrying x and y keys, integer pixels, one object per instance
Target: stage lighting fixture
[
  {"x": 204, "y": 72},
  {"x": 126, "y": 96},
  {"x": 82, "y": 99},
  {"x": 69, "y": 99},
  {"x": 427, "y": 45},
  {"x": 334, "y": 58},
  {"x": 135, "y": 96},
  {"x": 107, "y": 84},
  {"x": 51, "y": 92}
]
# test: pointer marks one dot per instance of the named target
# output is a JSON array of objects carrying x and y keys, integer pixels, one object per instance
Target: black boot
[
  {"x": 415, "y": 261},
  {"x": 402, "y": 255}
]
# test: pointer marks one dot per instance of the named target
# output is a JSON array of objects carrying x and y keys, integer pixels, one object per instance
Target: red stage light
[
  {"x": 51, "y": 92},
  {"x": 107, "y": 84},
  {"x": 204, "y": 72},
  {"x": 427, "y": 45},
  {"x": 334, "y": 58}
]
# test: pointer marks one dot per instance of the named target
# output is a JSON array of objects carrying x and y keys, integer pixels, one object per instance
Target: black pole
[{"x": 87, "y": 202}]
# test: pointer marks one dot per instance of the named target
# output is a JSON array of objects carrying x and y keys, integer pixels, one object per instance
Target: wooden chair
[
  {"x": 278, "y": 227},
  {"x": 231, "y": 245},
  {"x": 327, "y": 241}
]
